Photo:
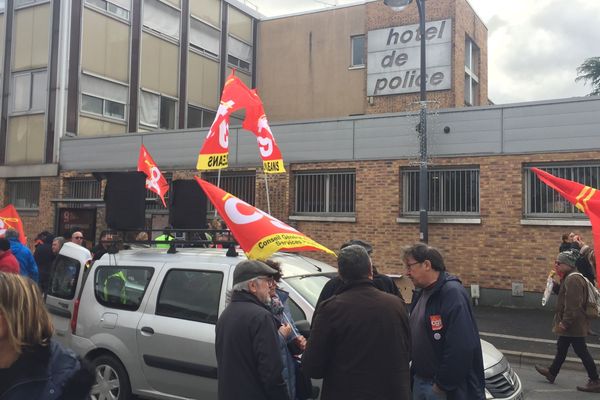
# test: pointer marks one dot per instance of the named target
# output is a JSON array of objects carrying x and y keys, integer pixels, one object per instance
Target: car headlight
[{"x": 497, "y": 369}]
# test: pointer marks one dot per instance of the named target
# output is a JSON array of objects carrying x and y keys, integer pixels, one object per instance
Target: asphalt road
[{"x": 564, "y": 388}]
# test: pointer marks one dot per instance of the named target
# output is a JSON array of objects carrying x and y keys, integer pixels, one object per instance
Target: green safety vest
[
  {"x": 164, "y": 245},
  {"x": 120, "y": 276}
]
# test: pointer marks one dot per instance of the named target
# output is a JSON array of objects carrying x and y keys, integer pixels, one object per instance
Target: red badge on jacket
[{"x": 436, "y": 322}]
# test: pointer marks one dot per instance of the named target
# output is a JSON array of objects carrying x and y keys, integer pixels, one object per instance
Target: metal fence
[
  {"x": 540, "y": 200},
  {"x": 325, "y": 193},
  {"x": 451, "y": 191},
  {"x": 24, "y": 194}
]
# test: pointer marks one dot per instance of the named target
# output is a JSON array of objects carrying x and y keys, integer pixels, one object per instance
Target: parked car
[{"x": 146, "y": 319}]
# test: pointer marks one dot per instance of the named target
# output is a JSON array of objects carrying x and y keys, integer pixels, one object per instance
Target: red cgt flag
[
  {"x": 258, "y": 233},
  {"x": 585, "y": 198},
  {"x": 256, "y": 122},
  {"x": 9, "y": 218},
  {"x": 215, "y": 150},
  {"x": 155, "y": 181}
]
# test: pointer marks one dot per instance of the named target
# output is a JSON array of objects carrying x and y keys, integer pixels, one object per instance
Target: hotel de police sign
[{"x": 394, "y": 58}]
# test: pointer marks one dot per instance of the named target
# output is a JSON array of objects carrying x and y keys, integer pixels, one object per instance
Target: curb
[{"x": 524, "y": 357}]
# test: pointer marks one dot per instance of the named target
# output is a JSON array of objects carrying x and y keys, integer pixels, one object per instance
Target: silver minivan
[{"x": 146, "y": 319}]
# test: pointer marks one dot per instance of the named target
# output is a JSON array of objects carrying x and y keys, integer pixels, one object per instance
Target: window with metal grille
[
  {"x": 325, "y": 193},
  {"x": 542, "y": 201},
  {"x": 84, "y": 188},
  {"x": 451, "y": 191},
  {"x": 241, "y": 185},
  {"x": 24, "y": 194},
  {"x": 153, "y": 201}
]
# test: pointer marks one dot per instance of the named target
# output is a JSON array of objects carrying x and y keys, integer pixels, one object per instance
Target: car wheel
[{"x": 112, "y": 382}]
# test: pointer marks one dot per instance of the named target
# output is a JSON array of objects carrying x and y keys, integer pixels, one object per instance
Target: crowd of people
[{"x": 364, "y": 342}]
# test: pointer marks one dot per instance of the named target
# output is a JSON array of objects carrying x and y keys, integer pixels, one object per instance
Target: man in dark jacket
[
  {"x": 360, "y": 340},
  {"x": 446, "y": 350},
  {"x": 247, "y": 346},
  {"x": 44, "y": 257},
  {"x": 382, "y": 282}
]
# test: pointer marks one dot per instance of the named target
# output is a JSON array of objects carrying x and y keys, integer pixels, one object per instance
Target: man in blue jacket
[
  {"x": 27, "y": 265},
  {"x": 446, "y": 351}
]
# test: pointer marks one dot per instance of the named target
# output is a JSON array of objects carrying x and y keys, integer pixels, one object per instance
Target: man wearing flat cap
[
  {"x": 570, "y": 321},
  {"x": 248, "y": 356}
]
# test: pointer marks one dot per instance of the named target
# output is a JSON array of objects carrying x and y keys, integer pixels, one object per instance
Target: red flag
[
  {"x": 215, "y": 150},
  {"x": 585, "y": 198},
  {"x": 258, "y": 233},
  {"x": 9, "y": 218},
  {"x": 256, "y": 122},
  {"x": 155, "y": 180}
]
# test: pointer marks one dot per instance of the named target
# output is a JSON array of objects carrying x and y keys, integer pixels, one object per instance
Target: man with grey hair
[
  {"x": 247, "y": 346},
  {"x": 27, "y": 265},
  {"x": 360, "y": 339}
]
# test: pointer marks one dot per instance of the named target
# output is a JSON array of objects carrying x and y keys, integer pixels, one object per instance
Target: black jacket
[
  {"x": 360, "y": 345},
  {"x": 50, "y": 373},
  {"x": 44, "y": 257},
  {"x": 248, "y": 357},
  {"x": 336, "y": 285},
  {"x": 456, "y": 345}
]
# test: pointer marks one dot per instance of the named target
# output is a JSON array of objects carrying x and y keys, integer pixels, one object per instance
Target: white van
[{"x": 153, "y": 333}]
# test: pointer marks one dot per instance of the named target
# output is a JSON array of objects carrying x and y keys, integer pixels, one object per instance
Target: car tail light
[{"x": 74, "y": 317}]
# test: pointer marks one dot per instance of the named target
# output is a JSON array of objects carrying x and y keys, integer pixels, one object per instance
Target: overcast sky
[{"x": 534, "y": 46}]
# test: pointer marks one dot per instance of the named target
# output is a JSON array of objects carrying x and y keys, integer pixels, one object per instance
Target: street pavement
[{"x": 527, "y": 333}]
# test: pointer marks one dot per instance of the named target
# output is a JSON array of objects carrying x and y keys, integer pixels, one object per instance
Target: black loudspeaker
[
  {"x": 188, "y": 205},
  {"x": 125, "y": 198}
]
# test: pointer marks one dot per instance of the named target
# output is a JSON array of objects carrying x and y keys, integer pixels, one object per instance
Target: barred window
[
  {"x": 241, "y": 185},
  {"x": 325, "y": 192},
  {"x": 24, "y": 194},
  {"x": 451, "y": 191},
  {"x": 153, "y": 201},
  {"x": 84, "y": 188},
  {"x": 543, "y": 201}
]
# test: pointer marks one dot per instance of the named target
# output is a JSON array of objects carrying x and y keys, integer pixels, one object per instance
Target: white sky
[{"x": 534, "y": 46}]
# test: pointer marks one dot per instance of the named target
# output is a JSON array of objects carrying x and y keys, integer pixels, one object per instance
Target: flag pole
[
  {"x": 219, "y": 186},
  {"x": 267, "y": 190}
]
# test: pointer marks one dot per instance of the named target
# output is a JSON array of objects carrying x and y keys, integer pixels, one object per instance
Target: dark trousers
[{"x": 578, "y": 343}]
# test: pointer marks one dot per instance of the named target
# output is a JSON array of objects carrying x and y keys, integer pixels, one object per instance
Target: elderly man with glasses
[{"x": 247, "y": 346}]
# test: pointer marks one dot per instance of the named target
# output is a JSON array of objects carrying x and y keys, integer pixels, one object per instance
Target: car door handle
[{"x": 147, "y": 330}]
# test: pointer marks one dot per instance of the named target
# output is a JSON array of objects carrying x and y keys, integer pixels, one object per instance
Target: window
[
  {"x": 84, "y": 189},
  {"x": 103, "y": 97},
  {"x": 199, "y": 117},
  {"x": 239, "y": 54},
  {"x": 118, "y": 8},
  {"x": 158, "y": 111},
  {"x": 19, "y": 3},
  {"x": 2, "y": 5},
  {"x": 121, "y": 287},
  {"x": 29, "y": 92},
  {"x": 542, "y": 201},
  {"x": 24, "y": 194},
  {"x": 358, "y": 51},
  {"x": 451, "y": 191},
  {"x": 325, "y": 192},
  {"x": 161, "y": 18},
  {"x": 204, "y": 38},
  {"x": 63, "y": 281},
  {"x": 471, "y": 73},
  {"x": 241, "y": 185},
  {"x": 191, "y": 295}
]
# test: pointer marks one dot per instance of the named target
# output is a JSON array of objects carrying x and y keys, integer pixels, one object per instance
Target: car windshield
[{"x": 309, "y": 286}]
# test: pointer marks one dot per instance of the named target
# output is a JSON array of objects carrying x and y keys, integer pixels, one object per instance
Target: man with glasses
[
  {"x": 77, "y": 238},
  {"x": 447, "y": 362},
  {"x": 570, "y": 321},
  {"x": 247, "y": 346}
]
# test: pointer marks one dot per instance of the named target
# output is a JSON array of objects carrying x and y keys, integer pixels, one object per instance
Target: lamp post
[{"x": 398, "y": 5}]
